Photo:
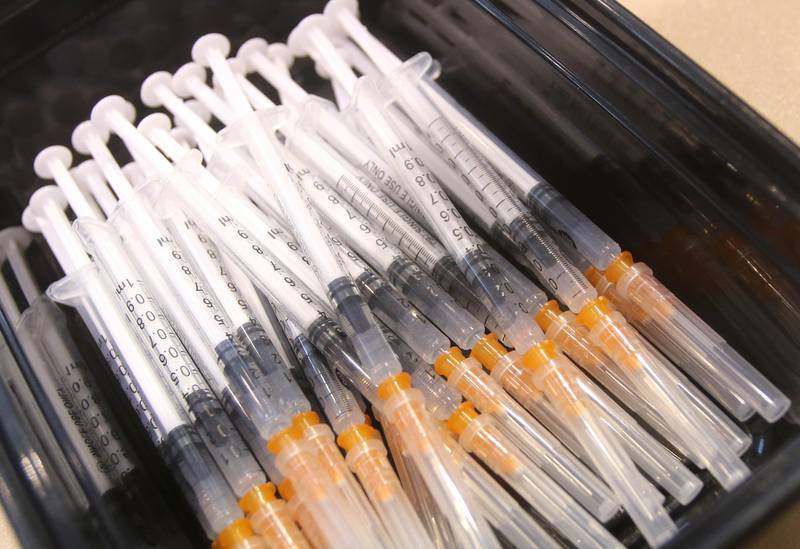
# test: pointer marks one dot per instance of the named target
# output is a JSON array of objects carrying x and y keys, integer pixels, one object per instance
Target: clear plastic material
[
  {"x": 372, "y": 349},
  {"x": 422, "y": 441},
  {"x": 560, "y": 215},
  {"x": 395, "y": 224},
  {"x": 164, "y": 421},
  {"x": 498, "y": 506},
  {"x": 481, "y": 437},
  {"x": 171, "y": 359},
  {"x": 63, "y": 373},
  {"x": 204, "y": 487},
  {"x": 723, "y": 372},
  {"x": 609, "y": 330},
  {"x": 369, "y": 525},
  {"x": 370, "y": 244},
  {"x": 337, "y": 401},
  {"x": 401, "y": 316},
  {"x": 455, "y": 321},
  {"x": 367, "y": 458},
  {"x": 482, "y": 274},
  {"x": 536, "y": 443},
  {"x": 638, "y": 497},
  {"x": 552, "y": 268},
  {"x": 440, "y": 399}
]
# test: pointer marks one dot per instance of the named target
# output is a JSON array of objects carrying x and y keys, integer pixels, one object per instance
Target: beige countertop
[{"x": 751, "y": 46}]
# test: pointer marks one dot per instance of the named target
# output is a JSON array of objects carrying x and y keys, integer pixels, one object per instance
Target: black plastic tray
[{"x": 653, "y": 149}]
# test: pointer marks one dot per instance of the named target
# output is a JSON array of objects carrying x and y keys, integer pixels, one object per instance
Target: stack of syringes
[{"x": 372, "y": 236}]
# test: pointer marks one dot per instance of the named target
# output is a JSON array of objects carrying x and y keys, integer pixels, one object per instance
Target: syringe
[
  {"x": 366, "y": 455},
  {"x": 235, "y": 381},
  {"x": 552, "y": 207},
  {"x": 479, "y": 434},
  {"x": 66, "y": 382},
  {"x": 390, "y": 307},
  {"x": 169, "y": 355},
  {"x": 220, "y": 225},
  {"x": 654, "y": 460},
  {"x": 553, "y": 374},
  {"x": 169, "y": 428},
  {"x": 383, "y": 298},
  {"x": 499, "y": 507},
  {"x": 167, "y": 352},
  {"x": 497, "y": 293},
  {"x": 155, "y": 91},
  {"x": 707, "y": 351},
  {"x": 373, "y": 352},
  {"x": 61, "y": 371},
  {"x": 204, "y": 258}
]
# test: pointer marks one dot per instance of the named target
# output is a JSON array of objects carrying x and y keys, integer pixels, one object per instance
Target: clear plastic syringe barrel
[
  {"x": 69, "y": 291},
  {"x": 63, "y": 373},
  {"x": 467, "y": 376},
  {"x": 571, "y": 226},
  {"x": 253, "y": 257},
  {"x": 148, "y": 241},
  {"x": 609, "y": 330},
  {"x": 715, "y": 364},
  {"x": 401, "y": 316},
  {"x": 373, "y": 351},
  {"x": 551, "y": 267},
  {"x": 454, "y": 320},
  {"x": 337, "y": 401},
  {"x": 187, "y": 457},
  {"x": 605, "y": 451},
  {"x": 482, "y": 274},
  {"x": 321, "y": 118},
  {"x": 270, "y": 372},
  {"x": 479, "y": 435},
  {"x": 171, "y": 359},
  {"x": 273, "y": 234},
  {"x": 393, "y": 223},
  {"x": 371, "y": 245}
]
